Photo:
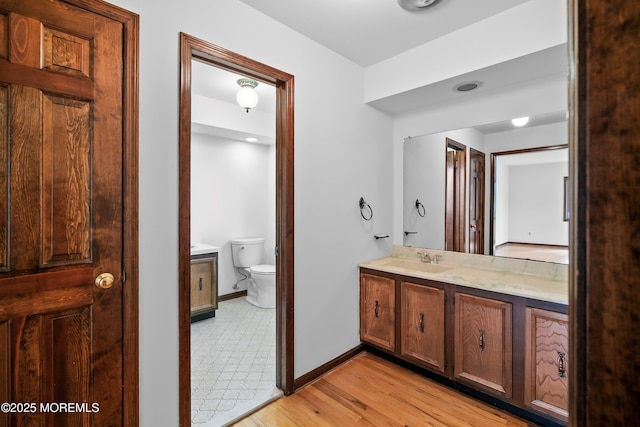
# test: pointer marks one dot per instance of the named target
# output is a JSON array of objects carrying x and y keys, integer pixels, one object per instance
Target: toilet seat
[{"x": 263, "y": 270}]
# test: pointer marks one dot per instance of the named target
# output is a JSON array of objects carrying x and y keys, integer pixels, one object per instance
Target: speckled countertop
[{"x": 530, "y": 279}]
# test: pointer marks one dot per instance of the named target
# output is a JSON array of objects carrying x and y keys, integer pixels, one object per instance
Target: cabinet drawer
[
  {"x": 422, "y": 324},
  {"x": 377, "y": 311},
  {"x": 546, "y": 356},
  {"x": 483, "y": 346}
]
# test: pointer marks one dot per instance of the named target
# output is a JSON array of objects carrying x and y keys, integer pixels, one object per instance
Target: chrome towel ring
[
  {"x": 420, "y": 207},
  {"x": 363, "y": 206}
]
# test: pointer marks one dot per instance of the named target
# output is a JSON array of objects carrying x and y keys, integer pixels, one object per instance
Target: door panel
[{"x": 61, "y": 103}]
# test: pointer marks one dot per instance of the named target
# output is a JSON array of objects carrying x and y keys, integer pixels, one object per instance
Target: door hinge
[
  {"x": 124, "y": 277},
  {"x": 275, "y": 251}
]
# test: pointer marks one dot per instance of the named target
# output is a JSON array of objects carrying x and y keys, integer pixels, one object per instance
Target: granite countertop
[{"x": 524, "y": 278}]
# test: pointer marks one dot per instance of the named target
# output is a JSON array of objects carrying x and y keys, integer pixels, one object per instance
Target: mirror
[{"x": 521, "y": 194}]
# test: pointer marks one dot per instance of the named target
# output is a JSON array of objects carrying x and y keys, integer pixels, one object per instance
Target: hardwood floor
[
  {"x": 369, "y": 391},
  {"x": 558, "y": 254}
]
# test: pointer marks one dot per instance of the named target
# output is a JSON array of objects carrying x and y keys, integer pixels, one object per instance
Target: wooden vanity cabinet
[
  {"x": 378, "y": 311},
  {"x": 483, "y": 344},
  {"x": 546, "y": 356},
  {"x": 204, "y": 286},
  {"x": 423, "y": 325}
]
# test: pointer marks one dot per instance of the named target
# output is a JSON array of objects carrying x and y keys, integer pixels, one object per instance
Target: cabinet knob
[
  {"x": 375, "y": 309},
  {"x": 200, "y": 284},
  {"x": 422, "y": 322},
  {"x": 481, "y": 345}
]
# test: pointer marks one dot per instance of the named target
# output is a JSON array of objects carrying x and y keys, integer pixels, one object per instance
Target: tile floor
[{"x": 233, "y": 362}]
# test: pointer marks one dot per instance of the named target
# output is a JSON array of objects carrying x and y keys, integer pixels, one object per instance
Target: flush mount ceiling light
[
  {"x": 247, "y": 96},
  {"x": 467, "y": 86},
  {"x": 251, "y": 139},
  {"x": 520, "y": 121},
  {"x": 414, "y": 5}
]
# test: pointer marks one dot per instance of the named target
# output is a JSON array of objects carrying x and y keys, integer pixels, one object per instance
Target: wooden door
[
  {"x": 377, "y": 311},
  {"x": 483, "y": 346},
  {"x": 61, "y": 217},
  {"x": 476, "y": 202},
  {"x": 422, "y": 324},
  {"x": 455, "y": 191}
]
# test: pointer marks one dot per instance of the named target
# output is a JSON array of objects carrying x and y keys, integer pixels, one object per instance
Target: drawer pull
[
  {"x": 200, "y": 284},
  {"x": 421, "y": 322},
  {"x": 562, "y": 370},
  {"x": 481, "y": 346},
  {"x": 375, "y": 309}
]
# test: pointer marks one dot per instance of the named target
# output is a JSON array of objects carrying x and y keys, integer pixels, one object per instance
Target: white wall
[
  {"x": 536, "y": 204},
  {"x": 231, "y": 197},
  {"x": 342, "y": 152}
]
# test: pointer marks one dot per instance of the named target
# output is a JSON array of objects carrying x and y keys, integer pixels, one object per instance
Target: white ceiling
[{"x": 369, "y": 31}]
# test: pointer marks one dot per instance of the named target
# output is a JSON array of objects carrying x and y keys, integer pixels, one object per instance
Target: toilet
[{"x": 261, "y": 288}]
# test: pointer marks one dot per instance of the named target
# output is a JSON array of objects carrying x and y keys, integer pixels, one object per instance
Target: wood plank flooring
[
  {"x": 558, "y": 254},
  {"x": 370, "y": 391}
]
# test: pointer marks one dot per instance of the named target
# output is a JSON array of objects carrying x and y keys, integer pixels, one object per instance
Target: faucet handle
[
  {"x": 424, "y": 256},
  {"x": 434, "y": 258}
]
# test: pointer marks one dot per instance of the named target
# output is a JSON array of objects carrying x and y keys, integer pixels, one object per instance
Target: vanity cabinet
[
  {"x": 422, "y": 330},
  {"x": 546, "y": 355},
  {"x": 204, "y": 286},
  {"x": 377, "y": 311},
  {"x": 483, "y": 344},
  {"x": 498, "y": 347}
]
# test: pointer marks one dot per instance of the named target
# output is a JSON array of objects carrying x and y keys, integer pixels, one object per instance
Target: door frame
[
  {"x": 474, "y": 155},
  {"x": 130, "y": 132},
  {"x": 190, "y": 48},
  {"x": 455, "y": 220},
  {"x": 492, "y": 189}
]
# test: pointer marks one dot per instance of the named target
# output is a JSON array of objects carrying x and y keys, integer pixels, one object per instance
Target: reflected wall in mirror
[{"x": 523, "y": 195}]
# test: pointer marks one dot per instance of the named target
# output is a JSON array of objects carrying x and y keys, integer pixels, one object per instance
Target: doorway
[
  {"x": 455, "y": 192},
  {"x": 193, "y": 48}
]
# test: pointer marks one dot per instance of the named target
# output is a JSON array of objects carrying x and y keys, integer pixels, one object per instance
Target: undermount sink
[{"x": 417, "y": 265}]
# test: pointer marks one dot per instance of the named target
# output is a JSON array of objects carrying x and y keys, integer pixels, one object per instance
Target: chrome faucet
[
  {"x": 424, "y": 257},
  {"x": 434, "y": 259}
]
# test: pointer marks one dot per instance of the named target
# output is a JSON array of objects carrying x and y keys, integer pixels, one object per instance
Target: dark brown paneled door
[
  {"x": 61, "y": 275},
  {"x": 476, "y": 201},
  {"x": 455, "y": 192}
]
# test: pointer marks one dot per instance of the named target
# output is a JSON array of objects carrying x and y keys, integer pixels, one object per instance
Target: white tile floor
[{"x": 233, "y": 362}]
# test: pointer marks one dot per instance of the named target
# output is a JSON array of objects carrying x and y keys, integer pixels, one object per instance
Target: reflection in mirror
[
  {"x": 528, "y": 204},
  {"x": 425, "y": 180}
]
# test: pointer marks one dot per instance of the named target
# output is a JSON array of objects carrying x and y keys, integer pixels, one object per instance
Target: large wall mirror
[{"x": 513, "y": 189}]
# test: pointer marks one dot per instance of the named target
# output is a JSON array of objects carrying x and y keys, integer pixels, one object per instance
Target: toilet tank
[{"x": 247, "y": 252}]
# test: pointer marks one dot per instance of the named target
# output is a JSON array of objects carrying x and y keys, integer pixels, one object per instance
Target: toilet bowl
[
  {"x": 261, "y": 290},
  {"x": 261, "y": 286}
]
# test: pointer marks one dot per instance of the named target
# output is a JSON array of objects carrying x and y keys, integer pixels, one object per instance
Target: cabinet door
[
  {"x": 483, "y": 346},
  {"x": 422, "y": 324},
  {"x": 377, "y": 311},
  {"x": 204, "y": 289},
  {"x": 546, "y": 355}
]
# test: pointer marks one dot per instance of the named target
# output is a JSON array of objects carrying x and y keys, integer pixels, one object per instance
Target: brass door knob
[{"x": 104, "y": 280}]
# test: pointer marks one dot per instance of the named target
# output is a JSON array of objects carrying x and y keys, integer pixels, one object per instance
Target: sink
[{"x": 417, "y": 265}]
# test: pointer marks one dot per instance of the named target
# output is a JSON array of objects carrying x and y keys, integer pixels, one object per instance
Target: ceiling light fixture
[
  {"x": 520, "y": 121},
  {"x": 247, "y": 96},
  {"x": 467, "y": 86},
  {"x": 251, "y": 139},
  {"x": 413, "y": 5}
]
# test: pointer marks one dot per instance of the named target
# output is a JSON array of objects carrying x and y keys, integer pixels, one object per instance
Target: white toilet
[{"x": 261, "y": 289}]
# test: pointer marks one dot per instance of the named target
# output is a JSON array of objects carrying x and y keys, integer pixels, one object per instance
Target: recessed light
[
  {"x": 520, "y": 121},
  {"x": 467, "y": 86},
  {"x": 251, "y": 139}
]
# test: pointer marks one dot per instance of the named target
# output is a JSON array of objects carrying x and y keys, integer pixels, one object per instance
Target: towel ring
[
  {"x": 364, "y": 204},
  {"x": 420, "y": 207}
]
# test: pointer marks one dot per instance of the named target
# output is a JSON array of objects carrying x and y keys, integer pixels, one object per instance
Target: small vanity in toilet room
[{"x": 204, "y": 281}]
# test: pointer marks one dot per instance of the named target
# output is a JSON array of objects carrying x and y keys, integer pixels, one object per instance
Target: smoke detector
[{"x": 413, "y": 5}]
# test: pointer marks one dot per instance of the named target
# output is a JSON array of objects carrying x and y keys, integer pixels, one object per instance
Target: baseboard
[
  {"x": 234, "y": 295},
  {"x": 323, "y": 369}
]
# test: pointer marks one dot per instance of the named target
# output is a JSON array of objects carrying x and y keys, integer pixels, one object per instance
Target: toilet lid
[{"x": 263, "y": 269}]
